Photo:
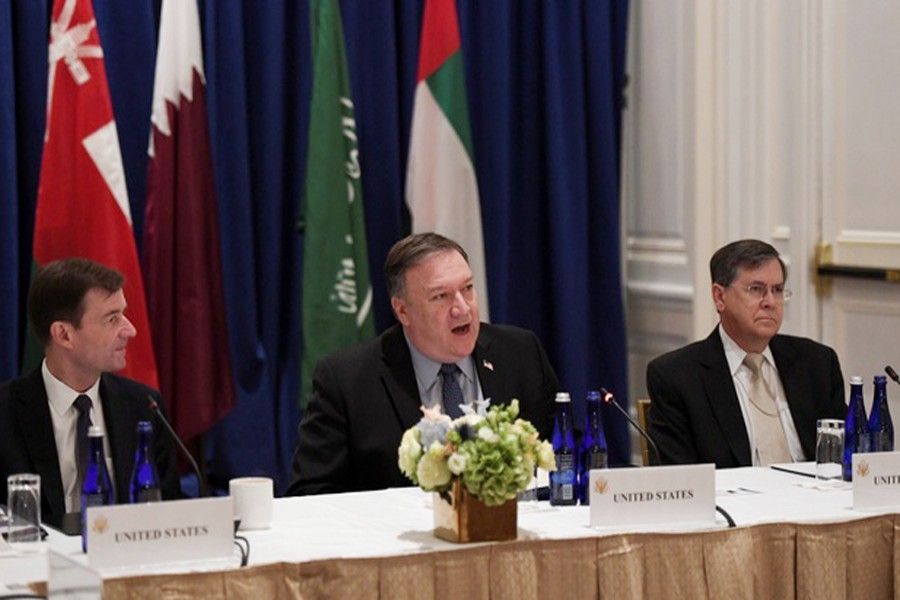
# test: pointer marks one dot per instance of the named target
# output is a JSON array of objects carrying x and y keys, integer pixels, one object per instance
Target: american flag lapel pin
[{"x": 488, "y": 365}]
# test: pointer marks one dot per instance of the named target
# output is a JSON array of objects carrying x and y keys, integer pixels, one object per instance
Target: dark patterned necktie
[
  {"x": 451, "y": 392},
  {"x": 82, "y": 445}
]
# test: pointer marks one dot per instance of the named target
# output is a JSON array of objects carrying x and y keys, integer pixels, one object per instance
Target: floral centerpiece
[{"x": 486, "y": 454}]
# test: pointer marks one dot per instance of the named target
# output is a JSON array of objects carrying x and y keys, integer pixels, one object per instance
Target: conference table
[{"x": 794, "y": 537}]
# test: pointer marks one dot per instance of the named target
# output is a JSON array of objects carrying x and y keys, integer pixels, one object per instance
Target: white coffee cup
[{"x": 252, "y": 497}]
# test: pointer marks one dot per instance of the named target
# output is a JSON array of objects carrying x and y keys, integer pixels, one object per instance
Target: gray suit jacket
[
  {"x": 695, "y": 416},
  {"x": 365, "y": 397}
]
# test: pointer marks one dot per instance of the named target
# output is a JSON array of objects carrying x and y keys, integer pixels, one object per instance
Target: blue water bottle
[
  {"x": 881, "y": 427},
  {"x": 563, "y": 480},
  {"x": 593, "y": 451},
  {"x": 144, "y": 478},
  {"x": 97, "y": 489},
  {"x": 856, "y": 427}
]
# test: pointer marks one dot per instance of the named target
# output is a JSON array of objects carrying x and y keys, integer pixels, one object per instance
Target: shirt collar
[
  {"x": 427, "y": 369},
  {"x": 61, "y": 396},
  {"x": 735, "y": 354}
]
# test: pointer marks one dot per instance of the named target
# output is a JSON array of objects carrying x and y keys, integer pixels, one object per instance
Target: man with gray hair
[
  {"x": 746, "y": 395},
  {"x": 366, "y": 396}
]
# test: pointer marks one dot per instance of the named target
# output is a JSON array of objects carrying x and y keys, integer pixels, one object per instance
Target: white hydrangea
[
  {"x": 545, "y": 457},
  {"x": 488, "y": 435},
  {"x": 409, "y": 452},
  {"x": 456, "y": 463},
  {"x": 432, "y": 472}
]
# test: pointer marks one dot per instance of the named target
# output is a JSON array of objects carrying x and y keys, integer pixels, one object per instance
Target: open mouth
[{"x": 462, "y": 329}]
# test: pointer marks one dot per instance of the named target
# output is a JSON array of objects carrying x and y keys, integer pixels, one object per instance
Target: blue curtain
[
  {"x": 9, "y": 208},
  {"x": 544, "y": 82}
]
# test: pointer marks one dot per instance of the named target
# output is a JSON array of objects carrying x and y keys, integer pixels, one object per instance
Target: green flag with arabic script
[{"x": 337, "y": 290}]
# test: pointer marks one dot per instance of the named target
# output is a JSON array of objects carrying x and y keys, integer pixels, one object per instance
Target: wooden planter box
[{"x": 461, "y": 517}]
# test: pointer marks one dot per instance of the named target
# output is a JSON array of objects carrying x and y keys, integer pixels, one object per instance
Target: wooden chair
[{"x": 643, "y": 412}]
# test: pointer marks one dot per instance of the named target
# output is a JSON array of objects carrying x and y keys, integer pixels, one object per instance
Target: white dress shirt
[{"x": 64, "y": 416}]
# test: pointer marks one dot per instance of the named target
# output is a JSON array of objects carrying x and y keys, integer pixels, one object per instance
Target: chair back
[{"x": 643, "y": 411}]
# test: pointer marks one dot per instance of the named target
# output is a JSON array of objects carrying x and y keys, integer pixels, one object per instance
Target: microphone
[
  {"x": 892, "y": 373},
  {"x": 608, "y": 398},
  {"x": 154, "y": 406}
]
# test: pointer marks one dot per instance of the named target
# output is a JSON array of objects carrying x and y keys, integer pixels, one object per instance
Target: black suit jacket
[
  {"x": 695, "y": 416},
  {"x": 365, "y": 397},
  {"x": 27, "y": 443}
]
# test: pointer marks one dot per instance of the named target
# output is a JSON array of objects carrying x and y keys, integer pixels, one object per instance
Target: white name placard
[
  {"x": 160, "y": 532},
  {"x": 876, "y": 480},
  {"x": 653, "y": 495}
]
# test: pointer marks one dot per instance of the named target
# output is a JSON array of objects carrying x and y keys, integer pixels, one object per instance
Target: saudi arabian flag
[
  {"x": 337, "y": 291},
  {"x": 441, "y": 189}
]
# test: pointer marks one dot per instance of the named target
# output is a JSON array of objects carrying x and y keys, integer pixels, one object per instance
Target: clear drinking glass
[
  {"x": 24, "y": 507},
  {"x": 829, "y": 448}
]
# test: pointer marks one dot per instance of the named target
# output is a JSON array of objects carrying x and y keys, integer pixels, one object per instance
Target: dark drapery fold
[{"x": 544, "y": 82}]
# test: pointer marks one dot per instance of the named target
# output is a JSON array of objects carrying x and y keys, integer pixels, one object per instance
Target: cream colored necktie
[{"x": 771, "y": 444}]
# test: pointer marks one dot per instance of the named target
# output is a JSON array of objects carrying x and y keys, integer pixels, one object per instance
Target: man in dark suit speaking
[
  {"x": 745, "y": 395},
  {"x": 366, "y": 396},
  {"x": 77, "y": 310}
]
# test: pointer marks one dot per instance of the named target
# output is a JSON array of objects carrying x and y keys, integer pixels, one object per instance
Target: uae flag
[
  {"x": 337, "y": 291},
  {"x": 441, "y": 189},
  {"x": 82, "y": 206},
  {"x": 182, "y": 257}
]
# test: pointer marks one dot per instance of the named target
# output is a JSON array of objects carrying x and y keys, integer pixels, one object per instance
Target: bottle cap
[
  {"x": 95, "y": 431},
  {"x": 563, "y": 397},
  {"x": 880, "y": 379},
  {"x": 856, "y": 380},
  {"x": 593, "y": 396}
]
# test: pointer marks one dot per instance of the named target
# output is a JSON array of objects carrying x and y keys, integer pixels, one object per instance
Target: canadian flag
[
  {"x": 182, "y": 256},
  {"x": 82, "y": 206}
]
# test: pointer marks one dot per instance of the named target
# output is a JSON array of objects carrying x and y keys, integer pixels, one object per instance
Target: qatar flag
[
  {"x": 82, "y": 206},
  {"x": 182, "y": 257}
]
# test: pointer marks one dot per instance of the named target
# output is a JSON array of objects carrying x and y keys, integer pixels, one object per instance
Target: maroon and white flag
[{"x": 182, "y": 256}]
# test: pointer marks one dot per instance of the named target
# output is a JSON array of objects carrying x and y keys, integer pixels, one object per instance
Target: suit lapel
[
  {"x": 486, "y": 364},
  {"x": 796, "y": 388},
  {"x": 120, "y": 421},
  {"x": 33, "y": 416},
  {"x": 399, "y": 378},
  {"x": 719, "y": 387}
]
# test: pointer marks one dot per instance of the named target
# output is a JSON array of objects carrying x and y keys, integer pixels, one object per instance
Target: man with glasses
[{"x": 746, "y": 395}]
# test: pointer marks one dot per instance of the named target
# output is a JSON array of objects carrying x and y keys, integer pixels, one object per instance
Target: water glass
[
  {"x": 829, "y": 448},
  {"x": 24, "y": 505}
]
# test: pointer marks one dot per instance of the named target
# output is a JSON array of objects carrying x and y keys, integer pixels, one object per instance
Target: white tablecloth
[{"x": 399, "y": 522}]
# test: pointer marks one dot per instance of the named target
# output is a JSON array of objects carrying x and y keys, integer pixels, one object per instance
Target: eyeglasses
[{"x": 759, "y": 291}]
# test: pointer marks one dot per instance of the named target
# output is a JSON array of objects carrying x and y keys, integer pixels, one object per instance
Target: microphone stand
[
  {"x": 609, "y": 398},
  {"x": 154, "y": 406}
]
